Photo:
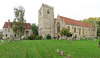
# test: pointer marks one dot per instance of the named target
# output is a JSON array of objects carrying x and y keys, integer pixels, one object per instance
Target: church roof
[
  {"x": 75, "y": 22},
  {"x": 26, "y": 25}
]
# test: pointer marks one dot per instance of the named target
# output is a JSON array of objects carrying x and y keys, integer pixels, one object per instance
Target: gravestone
[
  {"x": 68, "y": 56},
  {"x": 2, "y": 41},
  {"x": 60, "y": 38},
  {"x": 8, "y": 41},
  {"x": 56, "y": 38},
  {"x": 78, "y": 38},
  {"x": 61, "y": 53},
  {"x": 58, "y": 51},
  {"x": 70, "y": 41},
  {"x": 94, "y": 40}
]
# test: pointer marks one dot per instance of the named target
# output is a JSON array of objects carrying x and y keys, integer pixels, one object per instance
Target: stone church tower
[{"x": 46, "y": 20}]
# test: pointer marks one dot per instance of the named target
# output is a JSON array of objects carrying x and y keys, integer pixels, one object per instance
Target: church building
[{"x": 49, "y": 25}]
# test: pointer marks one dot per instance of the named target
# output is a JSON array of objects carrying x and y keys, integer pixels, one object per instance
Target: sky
[{"x": 75, "y": 9}]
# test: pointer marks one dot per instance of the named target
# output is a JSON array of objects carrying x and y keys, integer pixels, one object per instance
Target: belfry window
[
  {"x": 58, "y": 27},
  {"x": 48, "y": 12}
]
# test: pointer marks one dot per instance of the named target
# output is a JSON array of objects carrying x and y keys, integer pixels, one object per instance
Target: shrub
[
  {"x": 25, "y": 38},
  {"x": 31, "y": 37},
  {"x": 48, "y": 36},
  {"x": 38, "y": 37}
]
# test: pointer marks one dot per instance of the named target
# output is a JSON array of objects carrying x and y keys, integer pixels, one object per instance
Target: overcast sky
[{"x": 75, "y": 9}]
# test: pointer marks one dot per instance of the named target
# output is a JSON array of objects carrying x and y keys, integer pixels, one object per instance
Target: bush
[
  {"x": 48, "y": 36},
  {"x": 31, "y": 37},
  {"x": 38, "y": 37},
  {"x": 26, "y": 38}
]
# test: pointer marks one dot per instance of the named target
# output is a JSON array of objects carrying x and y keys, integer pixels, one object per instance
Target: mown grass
[{"x": 47, "y": 49}]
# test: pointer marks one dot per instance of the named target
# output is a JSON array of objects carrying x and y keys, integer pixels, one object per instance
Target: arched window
[
  {"x": 48, "y": 12},
  {"x": 58, "y": 27},
  {"x": 79, "y": 31},
  {"x": 75, "y": 29}
]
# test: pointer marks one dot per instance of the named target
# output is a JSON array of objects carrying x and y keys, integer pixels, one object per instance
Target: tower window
[{"x": 48, "y": 12}]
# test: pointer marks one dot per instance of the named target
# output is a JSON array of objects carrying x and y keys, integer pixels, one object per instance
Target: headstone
[
  {"x": 2, "y": 41},
  {"x": 58, "y": 51},
  {"x": 94, "y": 40},
  {"x": 59, "y": 38},
  {"x": 78, "y": 38},
  {"x": 56, "y": 38},
  {"x": 8, "y": 41},
  {"x": 70, "y": 41},
  {"x": 84, "y": 38},
  {"x": 61, "y": 53},
  {"x": 68, "y": 56}
]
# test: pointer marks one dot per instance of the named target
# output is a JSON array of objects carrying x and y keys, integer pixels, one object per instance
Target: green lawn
[{"x": 47, "y": 49}]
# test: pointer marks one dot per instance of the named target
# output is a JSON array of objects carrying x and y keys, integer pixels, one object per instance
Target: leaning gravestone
[
  {"x": 61, "y": 53},
  {"x": 58, "y": 51},
  {"x": 2, "y": 41},
  {"x": 68, "y": 56}
]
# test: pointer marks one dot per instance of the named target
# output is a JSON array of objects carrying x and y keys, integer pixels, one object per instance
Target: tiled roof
[
  {"x": 75, "y": 22},
  {"x": 26, "y": 25}
]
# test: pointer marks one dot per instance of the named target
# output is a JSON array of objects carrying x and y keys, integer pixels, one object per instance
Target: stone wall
[{"x": 10, "y": 34}]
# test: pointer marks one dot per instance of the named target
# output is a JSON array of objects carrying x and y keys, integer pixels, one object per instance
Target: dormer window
[{"x": 48, "y": 12}]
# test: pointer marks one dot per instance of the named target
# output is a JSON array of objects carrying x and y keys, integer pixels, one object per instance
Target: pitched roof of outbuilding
[
  {"x": 75, "y": 22},
  {"x": 26, "y": 25}
]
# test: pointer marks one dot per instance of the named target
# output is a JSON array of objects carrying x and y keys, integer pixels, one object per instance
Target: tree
[
  {"x": 18, "y": 23},
  {"x": 65, "y": 32},
  {"x": 1, "y": 36},
  {"x": 92, "y": 21},
  {"x": 34, "y": 29}
]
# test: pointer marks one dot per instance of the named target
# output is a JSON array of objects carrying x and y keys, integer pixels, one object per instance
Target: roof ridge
[{"x": 76, "y": 22}]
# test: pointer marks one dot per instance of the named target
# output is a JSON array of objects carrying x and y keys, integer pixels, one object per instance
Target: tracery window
[
  {"x": 58, "y": 27},
  {"x": 75, "y": 29}
]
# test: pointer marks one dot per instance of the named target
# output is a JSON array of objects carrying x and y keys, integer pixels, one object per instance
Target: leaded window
[{"x": 58, "y": 27}]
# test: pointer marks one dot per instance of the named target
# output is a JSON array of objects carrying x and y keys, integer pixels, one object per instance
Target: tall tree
[
  {"x": 1, "y": 36},
  {"x": 18, "y": 23},
  {"x": 34, "y": 29},
  {"x": 65, "y": 32}
]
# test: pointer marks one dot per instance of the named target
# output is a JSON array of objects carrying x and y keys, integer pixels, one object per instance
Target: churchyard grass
[{"x": 48, "y": 49}]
